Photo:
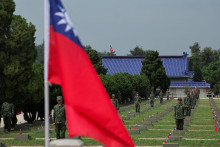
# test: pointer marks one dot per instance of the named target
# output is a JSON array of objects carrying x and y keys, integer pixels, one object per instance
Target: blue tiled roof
[
  {"x": 175, "y": 66},
  {"x": 189, "y": 84}
]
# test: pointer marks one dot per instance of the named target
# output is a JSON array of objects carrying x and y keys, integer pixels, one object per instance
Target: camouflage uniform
[
  {"x": 115, "y": 103},
  {"x": 193, "y": 99},
  {"x": 119, "y": 97},
  {"x": 7, "y": 112},
  {"x": 137, "y": 102},
  {"x": 168, "y": 95},
  {"x": 161, "y": 97},
  {"x": 59, "y": 118},
  {"x": 179, "y": 115},
  {"x": 152, "y": 97},
  {"x": 188, "y": 105}
]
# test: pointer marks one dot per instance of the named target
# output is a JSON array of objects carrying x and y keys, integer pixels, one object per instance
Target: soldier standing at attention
[
  {"x": 137, "y": 102},
  {"x": 115, "y": 102},
  {"x": 179, "y": 114},
  {"x": 161, "y": 96},
  {"x": 7, "y": 112},
  {"x": 152, "y": 97},
  {"x": 187, "y": 104},
  {"x": 59, "y": 118},
  {"x": 168, "y": 94},
  {"x": 193, "y": 99}
]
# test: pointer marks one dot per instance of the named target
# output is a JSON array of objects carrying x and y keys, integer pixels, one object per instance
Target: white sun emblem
[{"x": 65, "y": 20}]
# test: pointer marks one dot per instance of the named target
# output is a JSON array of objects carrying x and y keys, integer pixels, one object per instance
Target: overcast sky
[{"x": 169, "y": 26}]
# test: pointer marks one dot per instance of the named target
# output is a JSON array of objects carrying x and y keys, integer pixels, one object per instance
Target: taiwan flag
[
  {"x": 89, "y": 111},
  {"x": 111, "y": 49}
]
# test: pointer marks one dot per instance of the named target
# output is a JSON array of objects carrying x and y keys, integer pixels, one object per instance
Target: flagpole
[{"x": 46, "y": 86}]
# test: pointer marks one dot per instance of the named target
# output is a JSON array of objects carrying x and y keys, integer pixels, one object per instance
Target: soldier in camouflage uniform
[
  {"x": 161, "y": 96},
  {"x": 168, "y": 94},
  {"x": 59, "y": 118},
  {"x": 188, "y": 104},
  {"x": 137, "y": 102},
  {"x": 193, "y": 99},
  {"x": 152, "y": 97},
  {"x": 179, "y": 114},
  {"x": 7, "y": 113},
  {"x": 115, "y": 102}
]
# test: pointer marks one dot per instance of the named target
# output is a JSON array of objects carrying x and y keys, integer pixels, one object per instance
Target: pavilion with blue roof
[{"x": 176, "y": 69}]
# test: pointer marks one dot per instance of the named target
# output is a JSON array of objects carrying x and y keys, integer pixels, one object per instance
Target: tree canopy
[
  {"x": 154, "y": 70},
  {"x": 137, "y": 51},
  {"x": 96, "y": 60}
]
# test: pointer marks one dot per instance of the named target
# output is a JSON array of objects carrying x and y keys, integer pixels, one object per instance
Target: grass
[{"x": 201, "y": 127}]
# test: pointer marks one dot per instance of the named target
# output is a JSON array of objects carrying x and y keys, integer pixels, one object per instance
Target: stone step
[
  {"x": 133, "y": 131},
  {"x": 176, "y": 138},
  {"x": 171, "y": 145}
]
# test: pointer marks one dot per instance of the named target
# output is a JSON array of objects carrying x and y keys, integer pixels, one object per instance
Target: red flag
[
  {"x": 134, "y": 127},
  {"x": 215, "y": 124},
  {"x": 111, "y": 49},
  {"x": 216, "y": 129},
  {"x": 89, "y": 110}
]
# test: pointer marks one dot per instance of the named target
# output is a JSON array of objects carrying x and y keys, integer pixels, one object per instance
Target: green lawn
[{"x": 201, "y": 128}]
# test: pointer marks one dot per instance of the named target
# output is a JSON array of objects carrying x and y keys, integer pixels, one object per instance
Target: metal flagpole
[{"x": 46, "y": 86}]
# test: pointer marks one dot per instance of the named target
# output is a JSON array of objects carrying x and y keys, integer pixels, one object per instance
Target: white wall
[{"x": 179, "y": 92}]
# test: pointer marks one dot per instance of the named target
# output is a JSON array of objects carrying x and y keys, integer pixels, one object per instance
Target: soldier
[
  {"x": 137, "y": 102},
  {"x": 7, "y": 113},
  {"x": 179, "y": 114},
  {"x": 59, "y": 118},
  {"x": 168, "y": 94},
  {"x": 119, "y": 97},
  {"x": 115, "y": 102},
  {"x": 193, "y": 99},
  {"x": 161, "y": 96},
  {"x": 187, "y": 104},
  {"x": 152, "y": 97}
]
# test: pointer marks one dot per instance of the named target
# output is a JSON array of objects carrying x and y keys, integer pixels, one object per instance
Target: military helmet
[
  {"x": 113, "y": 94},
  {"x": 59, "y": 98},
  {"x": 179, "y": 99},
  {"x": 137, "y": 92}
]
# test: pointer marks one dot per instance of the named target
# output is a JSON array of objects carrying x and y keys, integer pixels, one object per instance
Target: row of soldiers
[
  {"x": 181, "y": 110},
  {"x": 138, "y": 99}
]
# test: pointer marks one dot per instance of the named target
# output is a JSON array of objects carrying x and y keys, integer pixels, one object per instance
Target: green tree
[
  {"x": 206, "y": 56},
  {"x": 197, "y": 74},
  {"x": 40, "y": 53},
  {"x": 107, "y": 53},
  {"x": 6, "y": 13},
  {"x": 35, "y": 93},
  {"x": 137, "y": 51},
  {"x": 21, "y": 54},
  {"x": 125, "y": 82},
  {"x": 211, "y": 73},
  {"x": 152, "y": 67},
  {"x": 17, "y": 54},
  {"x": 216, "y": 88},
  {"x": 96, "y": 60},
  {"x": 195, "y": 49},
  {"x": 195, "y": 62}
]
